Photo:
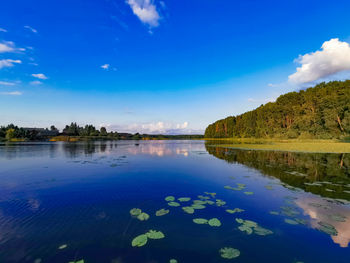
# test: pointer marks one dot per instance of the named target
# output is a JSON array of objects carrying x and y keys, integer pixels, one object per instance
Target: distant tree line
[
  {"x": 321, "y": 112},
  {"x": 15, "y": 133}
]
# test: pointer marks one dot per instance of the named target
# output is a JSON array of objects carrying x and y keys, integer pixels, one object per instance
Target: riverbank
[{"x": 312, "y": 146}]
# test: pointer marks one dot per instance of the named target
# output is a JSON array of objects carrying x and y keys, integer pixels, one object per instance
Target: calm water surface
[{"x": 80, "y": 194}]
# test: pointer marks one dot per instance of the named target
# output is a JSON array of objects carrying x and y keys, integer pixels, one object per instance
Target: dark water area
[{"x": 64, "y": 202}]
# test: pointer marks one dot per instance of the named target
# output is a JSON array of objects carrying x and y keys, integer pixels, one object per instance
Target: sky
[{"x": 167, "y": 66}]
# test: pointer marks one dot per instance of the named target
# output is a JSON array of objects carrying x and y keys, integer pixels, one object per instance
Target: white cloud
[
  {"x": 6, "y": 83},
  {"x": 334, "y": 57},
  {"x": 3, "y": 30},
  {"x": 7, "y": 63},
  {"x": 35, "y": 82},
  {"x": 11, "y": 93},
  {"x": 146, "y": 11},
  {"x": 31, "y": 29},
  {"x": 9, "y": 46},
  {"x": 105, "y": 66},
  {"x": 39, "y": 76},
  {"x": 155, "y": 128}
]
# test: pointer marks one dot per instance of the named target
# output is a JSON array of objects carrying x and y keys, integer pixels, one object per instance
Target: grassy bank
[{"x": 314, "y": 146}]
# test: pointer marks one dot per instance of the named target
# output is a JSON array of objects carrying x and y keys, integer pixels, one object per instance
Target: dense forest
[
  {"x": 321, "y": 112},
  {"x": 75, "y": 132}
]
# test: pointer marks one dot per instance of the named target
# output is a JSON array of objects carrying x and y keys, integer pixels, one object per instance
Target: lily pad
[
  {"x": 162, "y": 212},
  {"x": 338, "y": 218},
  {"x": 327, "y": 228},
  {"x": 188, "y": 209},
  {"x": 246, "y": 229},
  {"x": 236, "y": 210},
  {"x": 248, "y": 193},
  {"x": 262, "y": 231},
  {"x": 200, "y": 221},
  {"x": 203, "y": 197},
  {"x": 153, "y": 234},
  {"x": 169, "y": 198},
  {"x": 229, "y": 252},
  {"x": 274, "y": 213},
  {"x": 62, "y": 246},
  {"x": 175, "y": 204},
  {"x": 135, "y": 211},
  {"x": 290, "y": 221},
  {"x": 143, "y": 216},
  {"x": 79, "y": 261},
  {"x": 197, "y": 206},
  {"x": 172, "y": 261},
  {"x": 214, "y": 222},
  {"x": 139, "y": 241},
  {"x": 220, "y": 202},
  {"x": 184, "y": 199}
]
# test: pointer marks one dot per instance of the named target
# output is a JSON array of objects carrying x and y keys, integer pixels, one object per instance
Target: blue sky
[{"x": 162, "y": 66}]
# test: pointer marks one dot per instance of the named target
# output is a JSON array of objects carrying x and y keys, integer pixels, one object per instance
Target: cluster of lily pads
[
  {"x": 239, "y": 187},
  {"x": 212, "y": 222},
  {"x": 137, "y": 212},
  {"x": 251, "y": 227},
  {"x": 141, "y": 240}
]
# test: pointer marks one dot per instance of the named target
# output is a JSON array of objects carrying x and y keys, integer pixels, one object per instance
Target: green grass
[{"x": 314, "y": 146}]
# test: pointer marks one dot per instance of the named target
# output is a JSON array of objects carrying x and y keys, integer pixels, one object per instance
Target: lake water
[{"x": 63, "y": 202}]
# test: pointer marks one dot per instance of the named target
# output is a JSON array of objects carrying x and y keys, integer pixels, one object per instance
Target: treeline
[
  {"x": 75, "y": 132},
  {"x": 321, "y": 112}
]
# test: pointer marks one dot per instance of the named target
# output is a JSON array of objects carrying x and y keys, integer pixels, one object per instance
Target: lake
[{"x": 65, "y": 202}]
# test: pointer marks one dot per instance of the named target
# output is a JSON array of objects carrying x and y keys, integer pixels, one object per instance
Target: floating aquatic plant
[
  {"x": 268, "y": 187},
  {"x": 251, "y": 227},
  {"x": 203, "y": 197},
  {"x": 229, "y": 252},
  {"x": 214, "y": 222},
  {"x": 198, "y": 206},
  {"x": 220, "y": 202},
  {"x": 327, "y": 228},
  {"x": 209, "y": 202},
  {"x": 169, "y": 198},
  {"x": 184, "y": 199},
  {"x": 143, "y": 216},
  {"x": 175, "y": 204},
  {"x": 248, "y": 193},
  {"x": 139, "y": 241},
  {"x": 274, "y": 213},
  {"x": 79, "y": 261},
  {"x": 172, "y": 261},
  {"x": 211, "y": 194},
  {"x": 338, "y": 218},
  {"x": 188, "y": 209},
  {"x": 153, "y": 234},
  {"x": 200, "y": 221},
  {"x": 290, "y": 221},
  {"x": 62, "y": 246},
  {"x": 236, "y": 210},
  {"x": 135, "y": 211},
  {"x": 162, "y": 212}
]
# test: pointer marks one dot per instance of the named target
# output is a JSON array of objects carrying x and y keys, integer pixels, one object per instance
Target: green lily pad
[
  {"x": 203, "y": 197},
  {"x": 162, "y": 212},
  {"x": 172, "y": 261},
  {"x": 200, "y": 221},
  {"x": 200, "y": 202},
  {"x": 139, "y": 241},
  {"x": 268, "y": 187},
  {"x": 246, "y": 229},
  {"x": 220, "y": 202},
  {"x": 274, "y": 213},
  {"x": 248, "y": 193},
  {"x": 214, "y": 222},
  {"x": 62, "y": 246},
  {"x": 143, "y": 217},
  {"x": 79, "y": 261},
  {"x": 197, "y": 206},
  {"x": 262, "y": 231},
  {"x": 135, "y": 211},
  {"x": 209, "y": 202},
  {"x": 175, "y": 204},
  {"x": 338, "y": 218},
  {"x": 327, "y": 228},
  {"x": 236, "y": 210},
  {"x": 184, "y": 199},
  {"x": 188, "y": 209},
  {"x": 169, "y": 198},
  {"x": 153, "y": 234},
  {"x": 229, "y": 252},
  {"x": 290, "y": 221}
]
